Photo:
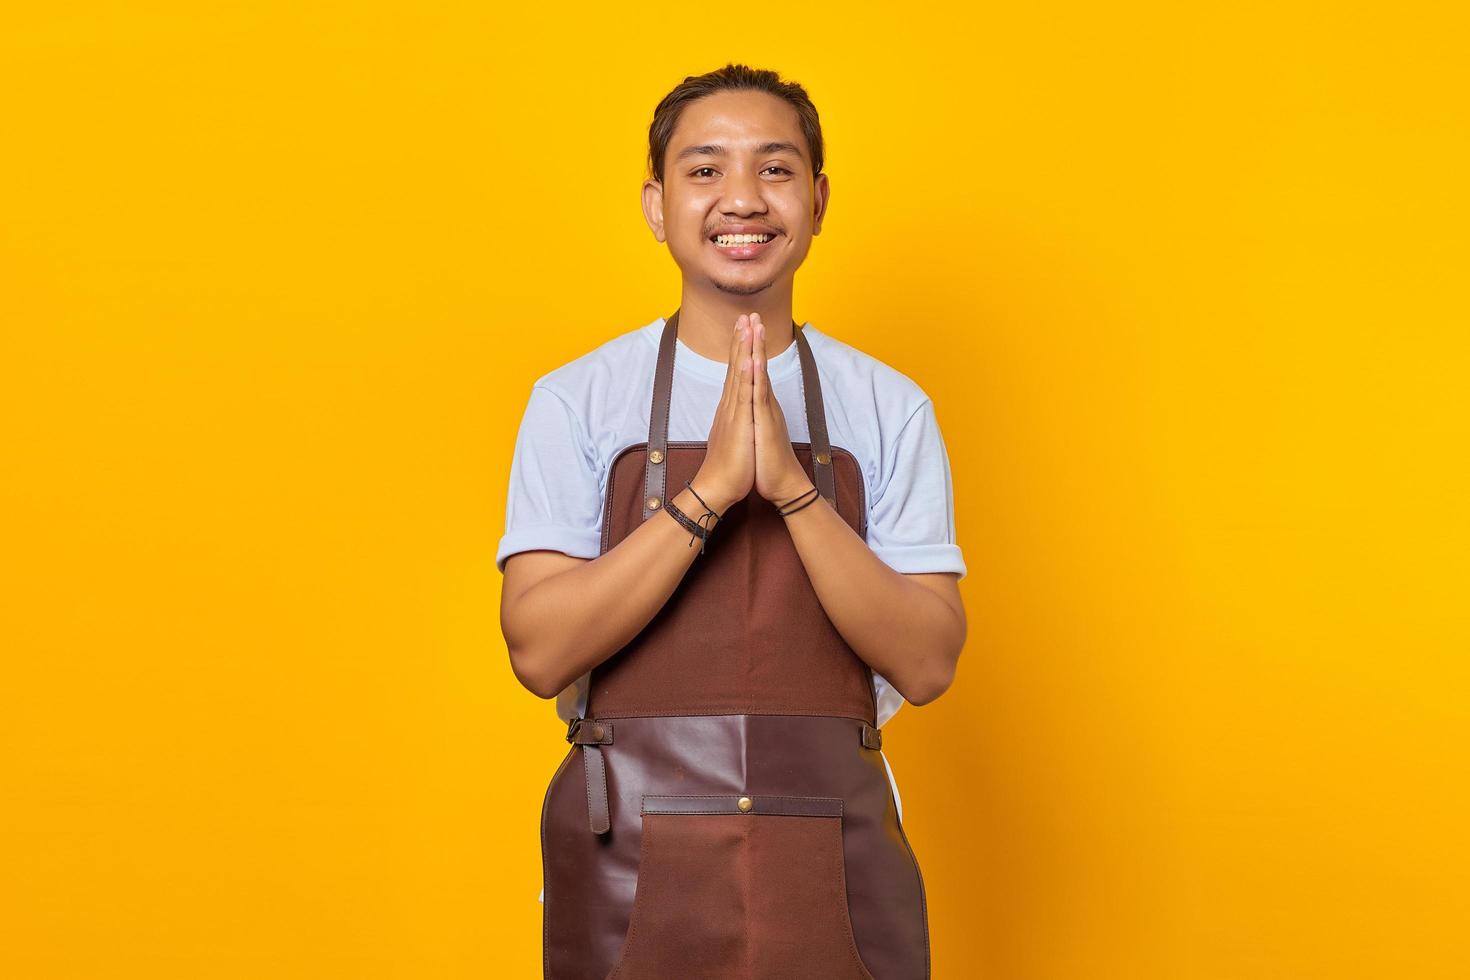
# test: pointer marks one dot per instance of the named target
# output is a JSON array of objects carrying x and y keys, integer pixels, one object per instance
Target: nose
[{"x": 742, "y": 193}]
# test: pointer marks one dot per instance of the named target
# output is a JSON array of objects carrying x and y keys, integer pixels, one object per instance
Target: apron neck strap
[{"x": 655, "y": 482}]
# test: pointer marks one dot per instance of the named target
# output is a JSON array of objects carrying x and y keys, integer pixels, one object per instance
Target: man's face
[{"x": 737, "y": 162}]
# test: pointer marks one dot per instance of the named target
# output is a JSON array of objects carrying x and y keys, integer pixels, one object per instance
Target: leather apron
[{"x": 723, "y": 812}]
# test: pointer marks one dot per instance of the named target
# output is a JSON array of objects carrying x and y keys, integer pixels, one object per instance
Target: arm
[
  {"x": 908, "y": 627},
  {"x": 563, "y": 615}
]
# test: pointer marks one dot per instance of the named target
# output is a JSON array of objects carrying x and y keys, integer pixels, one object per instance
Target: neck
[{"x": 706, "y": 322}]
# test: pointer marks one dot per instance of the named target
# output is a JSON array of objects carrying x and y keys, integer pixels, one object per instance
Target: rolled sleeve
[
  {"x": 554, "y": 500},
  {"x": 911, "y": 520}
]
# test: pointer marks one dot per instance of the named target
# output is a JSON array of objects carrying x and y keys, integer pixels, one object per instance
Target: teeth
[{"x": 741, "y": 239}]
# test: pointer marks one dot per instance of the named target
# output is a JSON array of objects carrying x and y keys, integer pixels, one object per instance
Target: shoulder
[
  {"x": 602, "y": 368},
  {"x": 869, "y": 405},
  {"x": 878, "y": 394},
  {"x": 600, "y": 389}
]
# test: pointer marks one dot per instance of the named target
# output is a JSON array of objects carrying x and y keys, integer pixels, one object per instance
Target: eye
[{"x": 696, "y": 173}]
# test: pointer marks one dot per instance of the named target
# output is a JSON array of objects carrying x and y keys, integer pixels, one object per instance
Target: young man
[{"x": 730, "y": 556}]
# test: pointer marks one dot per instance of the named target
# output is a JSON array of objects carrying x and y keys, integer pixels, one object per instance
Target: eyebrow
[{"x": 715, "y": 150}]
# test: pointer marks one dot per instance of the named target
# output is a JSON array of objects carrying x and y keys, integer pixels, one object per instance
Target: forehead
[{"x": 740, "y": 121}]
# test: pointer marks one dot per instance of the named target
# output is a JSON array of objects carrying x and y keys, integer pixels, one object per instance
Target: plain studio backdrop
[{"x": 1185, "y": 282}]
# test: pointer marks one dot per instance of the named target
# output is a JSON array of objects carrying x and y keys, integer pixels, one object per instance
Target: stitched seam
[
  {"x": 582, "y": 434},
  {"x": 758, "y": 710},
  {"x": 638, "y": 896},
  {"x": 898, "y": 441},
  {"x": 587, "y": 777},
  {"x": 846, "y": 910},
  {"x": 733, "y": 808},
  {"x": 602, "y": 807},
  {"x": 745, "y": 893},
  {"x": 663, "y": 473},
  {"x": 648, "y": 466},
  {"x": 862, "y": 481},
  {"x": 923, "y": 899},
  {"x": 545, "y": 924}
]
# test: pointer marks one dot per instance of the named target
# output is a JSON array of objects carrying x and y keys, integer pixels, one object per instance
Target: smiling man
[{"x": 730, "y": 556}]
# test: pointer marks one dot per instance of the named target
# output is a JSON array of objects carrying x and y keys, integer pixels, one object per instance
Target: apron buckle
[
  {"x": 585, "y": 731},
  {"x": 872, "y": 737}
]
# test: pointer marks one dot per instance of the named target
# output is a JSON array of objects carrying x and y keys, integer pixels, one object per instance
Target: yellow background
[{"x": 1187, "y": 284}]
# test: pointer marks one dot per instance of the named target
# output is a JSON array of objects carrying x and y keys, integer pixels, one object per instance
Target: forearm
[
  {"x": 902, "y": 630},
  {"x": 570, "y": 622}
]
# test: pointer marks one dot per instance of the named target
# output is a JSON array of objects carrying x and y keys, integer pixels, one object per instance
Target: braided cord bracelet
[
  {"x": 792, "y": 510},
  {"x": 697, "y": 529}
]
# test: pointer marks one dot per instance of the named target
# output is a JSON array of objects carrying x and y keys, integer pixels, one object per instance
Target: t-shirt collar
[{"x": 782, "y": 366}]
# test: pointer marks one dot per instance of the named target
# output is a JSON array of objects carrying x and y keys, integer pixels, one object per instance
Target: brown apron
[{"x": 724, "y": 812}]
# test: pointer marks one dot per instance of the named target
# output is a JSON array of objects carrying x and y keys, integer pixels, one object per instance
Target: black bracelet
[
  {"x": 697, "y": 497},
  {"x": 793, "y": 499},
  {"x": 813, "y": 491},
  {"x": 697, "y": 529}
]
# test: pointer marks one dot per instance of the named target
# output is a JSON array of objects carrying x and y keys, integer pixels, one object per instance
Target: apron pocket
[{"x": 740, "y": 888}]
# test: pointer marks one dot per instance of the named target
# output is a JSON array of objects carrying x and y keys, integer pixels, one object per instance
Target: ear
[
  {"x": 822, "y": 191},
  {"x": 653, "y": 206}
]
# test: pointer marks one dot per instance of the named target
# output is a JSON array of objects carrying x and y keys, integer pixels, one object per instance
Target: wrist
[
  {"x": 704, "y": 489},
  {"x": 791, "y": 493}
]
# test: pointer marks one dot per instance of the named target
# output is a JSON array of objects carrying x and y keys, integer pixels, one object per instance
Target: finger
[
  {"x": 746, "y": 368},
  {"x": 761, "y": 386},
  {"x": 732, "y": 369}
]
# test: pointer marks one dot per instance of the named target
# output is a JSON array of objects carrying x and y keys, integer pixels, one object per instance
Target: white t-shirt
[{"x": 582, "y": 414}]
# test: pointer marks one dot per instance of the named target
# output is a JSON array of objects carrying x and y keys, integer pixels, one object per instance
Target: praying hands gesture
[
  {"x": 748, "y": 441},
  {"x": 562, "y": 615}
]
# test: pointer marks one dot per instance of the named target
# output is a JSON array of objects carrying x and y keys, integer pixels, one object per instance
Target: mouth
[{"x": 743, "y": 246}]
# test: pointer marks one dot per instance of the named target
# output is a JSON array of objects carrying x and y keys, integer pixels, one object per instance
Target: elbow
[
  {"x": 523, "y": 665},
  {"x": 940, "y": 673},
  {"x": 930, "y": 688},
  {"x": 527, "y": 661},
  {"x": 926, "y": 695}
]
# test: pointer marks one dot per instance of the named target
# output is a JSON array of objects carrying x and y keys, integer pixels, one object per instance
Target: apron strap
[
  {"x": 591, "y": 735},
  {"x": 655, "y": 481}
]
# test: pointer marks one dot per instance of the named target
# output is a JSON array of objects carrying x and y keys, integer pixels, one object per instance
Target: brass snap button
[
  {"x": 824, "y": 458},
  {"x": 745, "y": 804},
  {"x": 653, "y": 503},
  {"x": 656, "y": 456},
  {"x": 597, "y": 731}
]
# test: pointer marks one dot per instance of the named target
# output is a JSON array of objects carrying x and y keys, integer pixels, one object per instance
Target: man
[{"x": 728, "y": 608}]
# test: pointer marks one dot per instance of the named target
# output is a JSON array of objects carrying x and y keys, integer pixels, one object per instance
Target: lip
[{"x": 743, "y": 253}]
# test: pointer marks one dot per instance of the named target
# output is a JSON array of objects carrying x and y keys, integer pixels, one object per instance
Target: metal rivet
[
  {"x": 653, "y": 503},
  {"x": 745, "y": 804},
  {"x": 597, "y": 731},
  {"x": 657, "y": 456},
  {"x": 824, "y": 458}
]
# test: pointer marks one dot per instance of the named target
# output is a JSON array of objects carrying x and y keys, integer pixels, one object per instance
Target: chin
[
  {"x": 743, "y": 288},
  {"x": 736, "y": 285}
]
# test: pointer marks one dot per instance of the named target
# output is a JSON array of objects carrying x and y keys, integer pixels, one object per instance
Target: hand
[
  {"x": 779, "y": 476},
  {"x": 728, "y": 470}
]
